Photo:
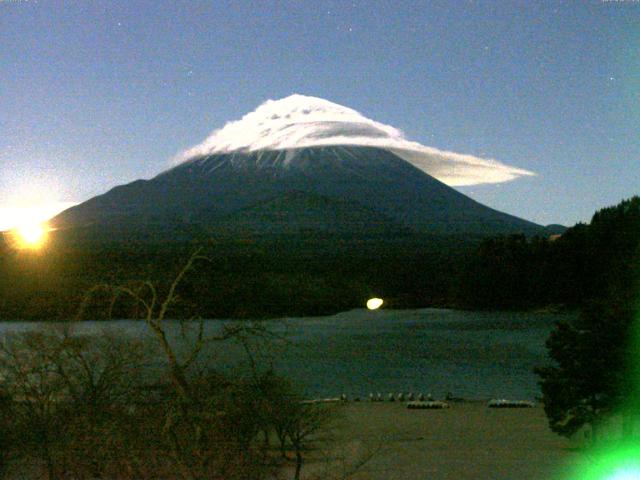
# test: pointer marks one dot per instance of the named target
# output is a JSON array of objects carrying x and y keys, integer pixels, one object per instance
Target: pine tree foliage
[{"x": 595, "y": 355}]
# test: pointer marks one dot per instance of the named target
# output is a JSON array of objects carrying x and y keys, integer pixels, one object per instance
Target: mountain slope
[
  {"x": 300, "y": 213},
  {"x": 208, "y": 191}
]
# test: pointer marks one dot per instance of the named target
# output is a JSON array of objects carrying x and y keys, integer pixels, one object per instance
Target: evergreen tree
[
  {"x": 596, "y": 354},
  {"x": 591, "y": 378}
]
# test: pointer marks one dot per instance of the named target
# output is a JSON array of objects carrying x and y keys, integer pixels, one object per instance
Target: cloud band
[{"x": 300, "y": 121}]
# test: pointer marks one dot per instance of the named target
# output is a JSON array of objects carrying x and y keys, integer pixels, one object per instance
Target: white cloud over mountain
[{"x": 301, "y": 121}]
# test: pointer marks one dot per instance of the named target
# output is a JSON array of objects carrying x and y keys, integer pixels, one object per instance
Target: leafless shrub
[
  {"x": 66, "y": 394},
  {"x": 86, "y": 406}
]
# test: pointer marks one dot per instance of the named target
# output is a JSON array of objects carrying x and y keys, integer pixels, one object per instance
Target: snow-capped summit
[
  {"x": 302, "y": 166},
  {"x": 301, "y": 121}
]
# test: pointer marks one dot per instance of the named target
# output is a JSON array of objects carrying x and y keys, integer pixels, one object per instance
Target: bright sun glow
[
  {"x": 31, "y": 236},
  {"x": 26, "y": 226},
  {"x": 15, "y": 216},
  {"x": 374, "y": 303}
]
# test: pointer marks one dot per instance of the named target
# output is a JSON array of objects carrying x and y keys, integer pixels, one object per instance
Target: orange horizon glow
[
  {"x": 29, "y": 236},
  {"x": 32, "y": 236},
  {"x": 17, "y": 215}
]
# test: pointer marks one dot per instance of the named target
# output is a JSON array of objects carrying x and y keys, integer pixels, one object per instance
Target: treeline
[
  {"x": 243, "y": 279},
  {"x": 587, "y": 261},
  {"x": 590, "y": 387},
  {"x": 297, "y": 276}
]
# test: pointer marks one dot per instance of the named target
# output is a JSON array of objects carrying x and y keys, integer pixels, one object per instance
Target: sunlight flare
[
  {"x": 16, "y": 215},
  {"x": 28, "y": 236},
  {"x": 32, "y": 236}
]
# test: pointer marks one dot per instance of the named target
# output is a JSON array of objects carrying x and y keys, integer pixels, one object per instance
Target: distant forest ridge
[
  {"x": 587, "y": 261},
  {"x": 297, "y": 275}
]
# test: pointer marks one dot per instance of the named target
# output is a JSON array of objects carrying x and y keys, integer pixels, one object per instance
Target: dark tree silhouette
[
  {"x": 591, "y": 377},
  {"x": 595, "y": 373}
]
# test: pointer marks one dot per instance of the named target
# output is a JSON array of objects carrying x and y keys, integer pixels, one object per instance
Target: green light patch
[{"x": 619, "y": 462}]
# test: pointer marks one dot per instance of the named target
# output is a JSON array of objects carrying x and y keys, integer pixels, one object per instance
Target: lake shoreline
[{"x": 549, "y": 309}]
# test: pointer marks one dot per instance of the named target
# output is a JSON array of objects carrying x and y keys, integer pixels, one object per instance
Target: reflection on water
[{"x": 470, "y": 354}]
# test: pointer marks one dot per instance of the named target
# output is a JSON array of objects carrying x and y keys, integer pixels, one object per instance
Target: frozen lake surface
[{"x": 475, "y": 355}]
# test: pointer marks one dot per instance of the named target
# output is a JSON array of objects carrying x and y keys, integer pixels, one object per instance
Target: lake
[{"x": 474, "y": 355}]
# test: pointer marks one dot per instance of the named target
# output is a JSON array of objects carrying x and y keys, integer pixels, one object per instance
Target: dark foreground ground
[
  {"x": 466, "y": 442},
  {"x": 386, "y": 441}
]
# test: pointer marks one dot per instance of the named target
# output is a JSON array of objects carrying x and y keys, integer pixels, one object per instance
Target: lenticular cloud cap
[{"x": 300, "y": 121}]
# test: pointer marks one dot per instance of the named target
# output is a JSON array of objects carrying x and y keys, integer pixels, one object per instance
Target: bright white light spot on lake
[{"x": 374, "y": 303}]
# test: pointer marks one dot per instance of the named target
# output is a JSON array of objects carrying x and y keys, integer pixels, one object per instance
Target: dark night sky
[{"x": 95, "y": 94}]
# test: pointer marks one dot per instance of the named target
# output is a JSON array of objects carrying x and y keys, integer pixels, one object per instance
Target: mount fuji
[{"x": 303, "y": 165}]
